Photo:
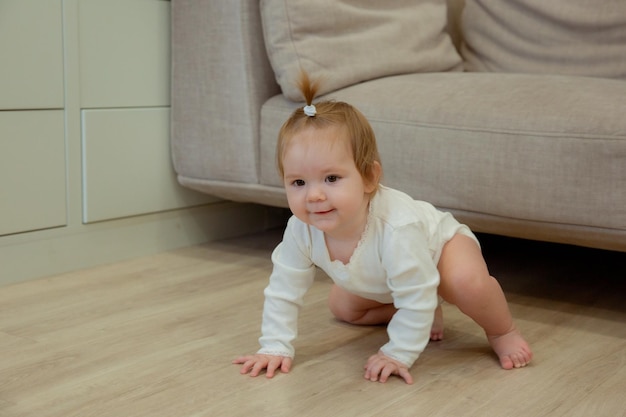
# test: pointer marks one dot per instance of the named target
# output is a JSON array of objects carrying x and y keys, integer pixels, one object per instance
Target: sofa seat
[{"x": 471, "y": 132}]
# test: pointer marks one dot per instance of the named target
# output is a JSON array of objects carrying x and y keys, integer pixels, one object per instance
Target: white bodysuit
[{"x": 395, "y": 262}]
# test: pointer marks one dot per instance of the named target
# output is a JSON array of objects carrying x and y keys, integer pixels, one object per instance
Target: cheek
[
  {"x": 294, "y": 200},
  {"x": 352, "y": 200},
  {"x": 342, "y": 199}
]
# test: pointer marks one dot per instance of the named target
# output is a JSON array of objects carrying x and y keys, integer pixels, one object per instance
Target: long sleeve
[
  {"x": 292, "y": 276},
  {"x": 413, "y": 279}
]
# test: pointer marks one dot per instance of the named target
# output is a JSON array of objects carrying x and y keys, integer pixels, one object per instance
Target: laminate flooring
[{"x": 155, "y": 337}]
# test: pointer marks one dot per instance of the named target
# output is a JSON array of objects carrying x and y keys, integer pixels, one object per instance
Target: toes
[
  {"x": 506, "y": 363},
  {"x": 514, "y": 361},
  {"x": 518, "y": 362}
]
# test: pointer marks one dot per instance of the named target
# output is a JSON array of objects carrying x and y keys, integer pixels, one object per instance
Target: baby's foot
[
  {"x": 512, "y": 349},
  {"x": 436, "y": 331}
]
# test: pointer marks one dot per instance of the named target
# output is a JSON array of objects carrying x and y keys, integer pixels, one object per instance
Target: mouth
[{"x": 323, "y": 212}]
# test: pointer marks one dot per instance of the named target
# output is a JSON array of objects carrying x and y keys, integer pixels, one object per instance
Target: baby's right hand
[{"x": 256, "y": 363}]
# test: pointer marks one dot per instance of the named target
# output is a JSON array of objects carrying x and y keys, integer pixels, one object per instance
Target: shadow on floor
[{"x": 566, "y": 273}]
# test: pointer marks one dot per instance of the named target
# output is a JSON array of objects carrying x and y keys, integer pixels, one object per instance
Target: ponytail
[{"x": 307, "y": 87}]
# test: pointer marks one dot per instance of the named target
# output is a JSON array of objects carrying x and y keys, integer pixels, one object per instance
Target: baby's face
[{"x": 324, "y": 187}]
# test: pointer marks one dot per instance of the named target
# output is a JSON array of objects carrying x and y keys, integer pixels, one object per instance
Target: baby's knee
[{"x": 345, "y": 315}]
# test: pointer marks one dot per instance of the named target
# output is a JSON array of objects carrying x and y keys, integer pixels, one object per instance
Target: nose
[{"x": 315, "y": 193}]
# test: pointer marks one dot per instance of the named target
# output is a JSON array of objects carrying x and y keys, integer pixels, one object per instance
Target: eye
[
  {"x": 298, "y": 183},
  {"x": 332, "y": 178}
]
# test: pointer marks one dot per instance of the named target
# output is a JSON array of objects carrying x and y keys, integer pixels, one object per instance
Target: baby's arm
[
  {"x": 292, "y": 276},
  {"x": 412, "y": 279},
  {"x": 254, "y": 364}
]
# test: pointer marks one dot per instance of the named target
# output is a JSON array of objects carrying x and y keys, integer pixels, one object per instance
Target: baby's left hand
[{"x": 379, "y": 367}]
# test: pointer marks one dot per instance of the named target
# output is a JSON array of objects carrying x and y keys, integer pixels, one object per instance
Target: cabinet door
[
  {"x": 124, "y": 53},
  {"x": 32, "y": 171},
  {"x": 31, "y": 54},
  {"x": 127, "y": 165}
]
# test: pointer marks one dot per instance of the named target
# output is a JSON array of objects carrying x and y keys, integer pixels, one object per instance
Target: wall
[{"x": 85, "y": 170}]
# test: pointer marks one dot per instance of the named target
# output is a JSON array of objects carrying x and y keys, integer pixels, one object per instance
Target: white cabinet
[
  {"x": 124, "y": 58},
  {"x": 85, "y": 170}
]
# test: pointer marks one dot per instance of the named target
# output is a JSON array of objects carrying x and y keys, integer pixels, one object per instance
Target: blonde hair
[{"x": 332, "y": 114}]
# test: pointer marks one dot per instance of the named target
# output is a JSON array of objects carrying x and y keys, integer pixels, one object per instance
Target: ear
[{"x": 375, "y": 173}]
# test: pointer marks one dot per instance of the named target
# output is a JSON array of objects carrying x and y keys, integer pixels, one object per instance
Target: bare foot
[
  {"x": 512, "y": 349},
  {"x": 436, "y": 331}
]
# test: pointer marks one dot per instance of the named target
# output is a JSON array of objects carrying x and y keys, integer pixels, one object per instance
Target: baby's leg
[
  {"x": 358, "y": 310},
  {"x": 465, "y": 282}
]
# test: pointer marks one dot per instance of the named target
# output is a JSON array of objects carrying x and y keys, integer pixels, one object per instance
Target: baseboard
[{"x": 50, "y": 252}]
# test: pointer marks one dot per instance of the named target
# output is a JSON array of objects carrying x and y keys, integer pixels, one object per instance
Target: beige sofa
[{"x": 517, "y": 126}]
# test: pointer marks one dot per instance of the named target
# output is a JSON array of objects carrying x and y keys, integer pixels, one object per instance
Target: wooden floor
[{"x": 155, "y": 337}]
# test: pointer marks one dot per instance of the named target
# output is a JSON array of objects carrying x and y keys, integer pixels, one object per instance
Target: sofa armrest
[{"x": 220, "y": 78}]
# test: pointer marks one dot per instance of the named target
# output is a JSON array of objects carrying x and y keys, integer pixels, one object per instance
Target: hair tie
[{"x": 310, "y": 110}]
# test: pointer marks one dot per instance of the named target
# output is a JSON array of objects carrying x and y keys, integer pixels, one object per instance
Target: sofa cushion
[
  {"x": 485, "y": 143},
  {"x": 343, "y": 42},
  {"x": 569, "y": 37}
]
